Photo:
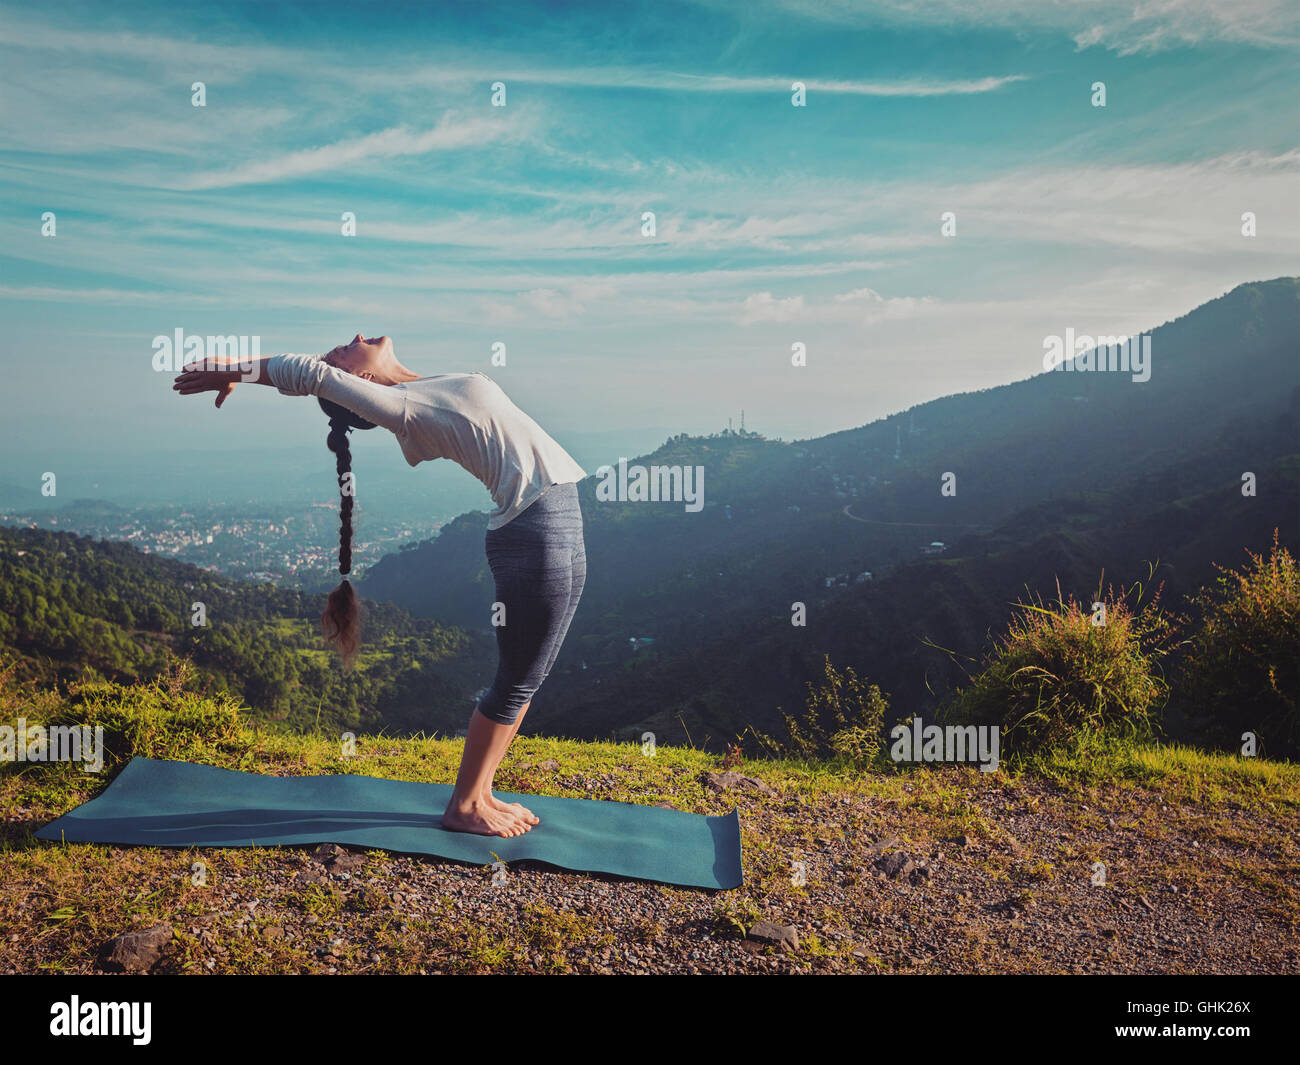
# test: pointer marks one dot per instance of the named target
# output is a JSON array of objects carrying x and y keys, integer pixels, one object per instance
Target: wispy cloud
[
  {"x": 860, "y": 306},
  {"x": 1127, "y": 27},
  {"x": 553, "y": 264},
  {"x": 452, "y": 132},
  {"x": 764, "y": 307},
  {"x": 674, "y": 81}
]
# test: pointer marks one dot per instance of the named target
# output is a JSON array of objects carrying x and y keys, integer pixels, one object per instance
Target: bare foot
[
  {"x": 481, "y": 819},
  {"x": 516, "y": 808}
]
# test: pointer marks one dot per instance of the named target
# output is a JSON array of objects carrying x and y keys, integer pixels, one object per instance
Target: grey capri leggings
[{"x": 539, "y": 563}]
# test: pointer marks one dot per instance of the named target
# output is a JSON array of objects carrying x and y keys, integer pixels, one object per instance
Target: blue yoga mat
[{"x": 179, "y": 804}]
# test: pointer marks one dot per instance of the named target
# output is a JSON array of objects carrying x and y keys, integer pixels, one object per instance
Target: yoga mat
[{"x": 179, "y": 804}]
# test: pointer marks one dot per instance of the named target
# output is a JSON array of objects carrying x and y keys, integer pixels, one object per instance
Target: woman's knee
[{"x": 505, "y": 710}]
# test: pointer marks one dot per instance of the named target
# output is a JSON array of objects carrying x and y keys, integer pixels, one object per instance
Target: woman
[{"x": 534, "y": 541}]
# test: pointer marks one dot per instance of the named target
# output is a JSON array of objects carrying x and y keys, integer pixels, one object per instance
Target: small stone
[
  {"x": 337, "y": 860},
  {"x": 784, "y": 936},
  {"x": 135, "y": 951},
  {"x": 893, "y": 865},
  {"x": 733, "y": 781}
]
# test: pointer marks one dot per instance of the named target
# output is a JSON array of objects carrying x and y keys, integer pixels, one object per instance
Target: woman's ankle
[{"x": 463, "y": 802}]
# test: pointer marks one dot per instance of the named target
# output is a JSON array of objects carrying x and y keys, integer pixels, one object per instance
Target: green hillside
[{"x": 72, "y": 608}]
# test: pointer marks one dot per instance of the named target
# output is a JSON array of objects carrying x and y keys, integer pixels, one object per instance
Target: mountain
[
  {"x": 1064, "y": 476},
  {"x": 15, "y": 496}
]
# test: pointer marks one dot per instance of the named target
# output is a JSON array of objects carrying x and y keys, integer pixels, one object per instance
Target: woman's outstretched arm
[{"x": 299, "y": 375}]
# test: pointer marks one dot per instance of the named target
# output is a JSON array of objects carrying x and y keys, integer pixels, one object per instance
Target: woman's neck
[{"x": 397, "y": 375}]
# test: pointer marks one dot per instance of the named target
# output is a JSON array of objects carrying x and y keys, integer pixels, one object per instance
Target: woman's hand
[{"x": 196, "y": 377}]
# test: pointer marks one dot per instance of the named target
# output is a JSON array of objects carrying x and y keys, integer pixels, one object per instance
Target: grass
[
  {"x": 1184, "y": 774},
  {"x": 59, "y": 902}
]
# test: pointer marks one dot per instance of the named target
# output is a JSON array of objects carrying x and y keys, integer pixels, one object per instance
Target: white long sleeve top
[{"x": 465, "y": 417}]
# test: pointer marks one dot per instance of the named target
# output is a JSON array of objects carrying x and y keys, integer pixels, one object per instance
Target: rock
[
  {"x": 783, "y": 936},
  {"x": 336, "y": 859},
  {"x": 135, "y": 951},
  {"x": 894, "y": 865},
  {"x": 733, "y": 781}
]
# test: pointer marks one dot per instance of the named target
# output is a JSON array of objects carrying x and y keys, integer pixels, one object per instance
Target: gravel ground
[{"x": 1188, "y": 889}]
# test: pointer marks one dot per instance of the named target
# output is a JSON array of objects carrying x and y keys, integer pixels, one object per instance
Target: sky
[{"x": 522, "y": 224}]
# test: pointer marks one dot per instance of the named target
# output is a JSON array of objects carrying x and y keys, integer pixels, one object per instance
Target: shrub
[
  {"x": 1057, "y": 675},
  {"x": 156, "y": 720},
  {"x": 1243, "y": 670},
  {"x": 842, "y": 718}
]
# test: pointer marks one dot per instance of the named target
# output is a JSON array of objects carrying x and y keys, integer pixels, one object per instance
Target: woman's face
[{"x": 363, "y": 357}]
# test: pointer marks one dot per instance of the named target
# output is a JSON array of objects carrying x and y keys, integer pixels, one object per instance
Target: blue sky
[{"x": 521, "y": 224}]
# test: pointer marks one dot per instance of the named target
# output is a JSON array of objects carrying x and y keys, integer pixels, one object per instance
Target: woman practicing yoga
[{"x": 535, "y": 545}]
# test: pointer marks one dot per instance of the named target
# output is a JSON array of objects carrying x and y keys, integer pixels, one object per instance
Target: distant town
[{"x": 242, "y": 542}]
